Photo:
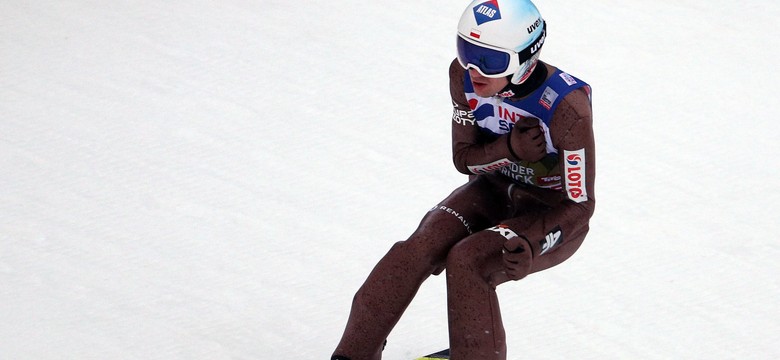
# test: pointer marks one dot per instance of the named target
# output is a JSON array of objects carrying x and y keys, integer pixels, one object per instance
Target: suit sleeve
[
  {"x": 572, "y": 135},
  {"x": 472, "y": 152}
]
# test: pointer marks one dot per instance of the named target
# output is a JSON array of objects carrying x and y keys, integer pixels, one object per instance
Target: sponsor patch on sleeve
[
  {"x": 462, "y": 117},
  {"x": 553, "y": 239},
  {"x": 487, "y": 168},
  {"x": 574, "y": 175}
]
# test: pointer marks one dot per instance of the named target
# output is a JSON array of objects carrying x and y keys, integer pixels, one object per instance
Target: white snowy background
[{"x": 215, "y": 179}]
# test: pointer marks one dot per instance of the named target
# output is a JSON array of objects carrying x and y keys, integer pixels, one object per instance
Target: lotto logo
[{"x": 574, "y": 175}]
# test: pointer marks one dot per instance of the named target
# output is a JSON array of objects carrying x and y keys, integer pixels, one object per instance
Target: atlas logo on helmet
[{"x": 487, "y": 11}]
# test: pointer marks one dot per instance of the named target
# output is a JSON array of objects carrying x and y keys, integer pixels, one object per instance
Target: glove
[
  {"x": 517, "y": 259},
  {"x": 518, "y": 256},
  {"x": 527, "y": 142}
]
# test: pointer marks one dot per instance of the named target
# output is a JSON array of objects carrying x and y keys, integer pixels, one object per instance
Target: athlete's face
[{"x": 485, "y": 86}]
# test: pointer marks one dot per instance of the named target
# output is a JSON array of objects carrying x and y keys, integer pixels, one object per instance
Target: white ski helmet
[{"x": 499, "y": 38}]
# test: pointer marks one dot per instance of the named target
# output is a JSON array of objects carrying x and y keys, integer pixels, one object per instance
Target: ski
[{"x": 444, "y": 354}]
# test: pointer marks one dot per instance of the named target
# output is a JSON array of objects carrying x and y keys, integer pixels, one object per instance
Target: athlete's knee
[
  {"x": 425, "y": 250},
  {"x": 432, "y": 247},
  {"x": 412, "y": 256},
  {"x": 461, "y": 257}
]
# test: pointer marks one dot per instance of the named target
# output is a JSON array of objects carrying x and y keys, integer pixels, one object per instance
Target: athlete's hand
[
  {"x": 526, "y": 142},
  {"x": 517, "y": 259}
]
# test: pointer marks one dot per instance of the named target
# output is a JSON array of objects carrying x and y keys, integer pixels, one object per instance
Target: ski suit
[{"x": 547, "y": 203}]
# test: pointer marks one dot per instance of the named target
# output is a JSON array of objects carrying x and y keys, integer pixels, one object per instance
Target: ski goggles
[{"x": 495, "y": 62}]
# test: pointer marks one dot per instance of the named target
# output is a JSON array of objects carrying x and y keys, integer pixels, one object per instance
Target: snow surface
[{"x": 214, "y": 180}]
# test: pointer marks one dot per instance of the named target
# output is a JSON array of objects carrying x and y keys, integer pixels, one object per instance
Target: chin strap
[{"x": 536, "y": 78}]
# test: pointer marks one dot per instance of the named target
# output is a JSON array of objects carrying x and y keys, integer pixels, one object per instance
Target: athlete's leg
[
  {"x": 475, "y": 326},
  {"x": 391, "y": 285},
  {"x": 476, "y": 329}
]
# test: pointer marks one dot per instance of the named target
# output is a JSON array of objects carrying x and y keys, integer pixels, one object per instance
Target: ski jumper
[{"x": 547, "y": 202}]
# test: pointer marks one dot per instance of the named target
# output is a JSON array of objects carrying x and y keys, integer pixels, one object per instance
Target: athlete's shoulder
[
  {"x": 561, "y": 78},
  {"x": 456, "y": 83},
  {"x": 578, "y": 101},
  {"x": 455, "y": 69},
  {"x": 572, "y": 118},
  {"x": 575, "y": 105},
  {"x": 576, "y": 92}
]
